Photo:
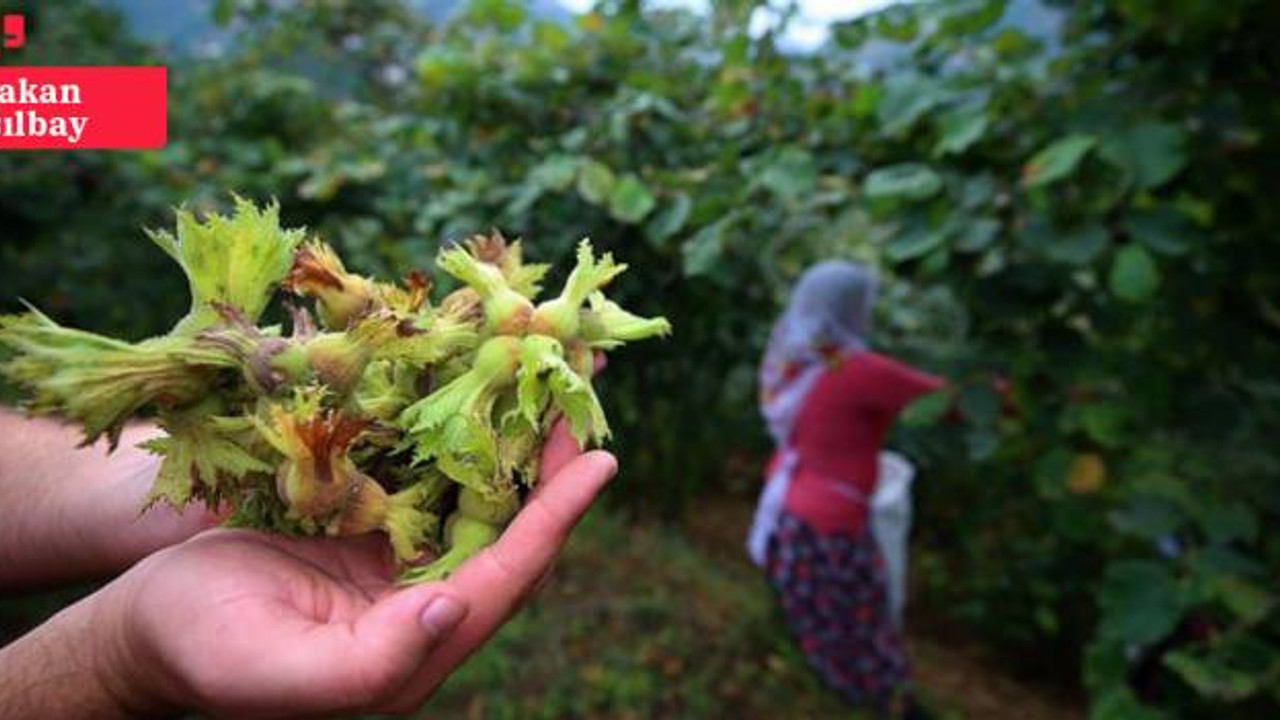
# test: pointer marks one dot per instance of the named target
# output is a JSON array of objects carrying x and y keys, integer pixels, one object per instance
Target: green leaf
[
  {"x": 1050, "y": 472},
  {"x": 1249, "y": 602},
  {"x": 595, "y": 182},
  {"x": 1011, "y": 44},
  {"x": 1134, "y": 276},
  {"x": 977, "y": 191},
  {"x": 1056, "y": 161},
  {"x": 1119, "y": 703},
  {"x": 1164, "y": 230},
  {"x": 1078, "y": 246},
  {"x": 896, "y": 22},
  {"x": 1104, "y": 422},
  {"x": 791, "y": 175},
  {"x": 223, "y": 12},
  {"x": 703, "y": 250},
  {"x": 505, "y": 16},
  {"x": 908, "y": 181},
  {"x": 977, "y": 234},
  {"x": 669, "y": 220},
  {"x": 966, "y": 17},
  {"x": 1212, "y": 679},
  {"x": 1141, "y": 602},
  {"x": 928, "y": 409},
  {"x": 1224, "y": 521},
  {"x": 631, "y": 201},
  {"x": 960, "y": 129},
  {"x": 1151, "y": 153},
  {"x": 556, "y": 172},
  {"x": 907, "y": 97},
  {"x": 914, "y": 243},
  {"x": 197, "y": 459}
]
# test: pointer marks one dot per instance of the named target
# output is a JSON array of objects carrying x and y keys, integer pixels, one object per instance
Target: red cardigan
[{"x": 838, "y": 436}]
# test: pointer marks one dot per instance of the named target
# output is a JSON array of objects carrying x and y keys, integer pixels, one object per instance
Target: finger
[
  {"x": 502, "y": 574},
  {"x": 558, "y": 451},
  {"x": 531, "y": 543},
  {"x": 499, "y": 577}
]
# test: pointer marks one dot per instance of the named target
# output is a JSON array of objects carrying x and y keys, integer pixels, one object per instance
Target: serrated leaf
[
  {"x": 197, "y": 459},
  {"x": 905, "y": 181},
  {"x": 1134, "y": 276},
  {"x": 630, "y": 200},
  {"x": 1056, "y": 161}
]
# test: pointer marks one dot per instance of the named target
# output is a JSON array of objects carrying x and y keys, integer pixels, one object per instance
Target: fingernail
[
  {"x": 613, "y": 466},
  {"x": 442, "y": 614}
]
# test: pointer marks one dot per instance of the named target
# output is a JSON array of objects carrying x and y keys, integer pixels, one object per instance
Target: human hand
[{"x": 241, "y": 623}]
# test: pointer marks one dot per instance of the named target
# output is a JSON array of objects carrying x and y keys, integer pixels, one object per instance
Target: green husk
[
  {"x": 100, "y": 382},
  {"x": 234, "y": 260}
]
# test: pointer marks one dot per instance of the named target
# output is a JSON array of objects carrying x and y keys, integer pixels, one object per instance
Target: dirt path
[{"x": 950, "y": 675}]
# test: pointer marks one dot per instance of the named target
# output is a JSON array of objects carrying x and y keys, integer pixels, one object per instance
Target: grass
[{"x": 638, "y": 623}]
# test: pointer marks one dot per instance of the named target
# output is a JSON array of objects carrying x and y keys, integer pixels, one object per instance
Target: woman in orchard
[{"x": 829, "y": 400}]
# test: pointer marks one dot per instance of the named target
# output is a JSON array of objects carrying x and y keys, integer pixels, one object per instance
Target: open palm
[{"x": 242, "y": 623}]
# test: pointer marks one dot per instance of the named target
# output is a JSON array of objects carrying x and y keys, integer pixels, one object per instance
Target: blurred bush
[{"x": 1084, "y": 210}]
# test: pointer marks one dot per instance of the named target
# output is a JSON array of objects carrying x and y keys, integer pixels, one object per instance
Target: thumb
[{"x": 396, "y": 635}]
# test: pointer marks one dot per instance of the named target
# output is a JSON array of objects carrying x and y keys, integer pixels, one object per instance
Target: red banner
[{"x": 83, "y": 108}]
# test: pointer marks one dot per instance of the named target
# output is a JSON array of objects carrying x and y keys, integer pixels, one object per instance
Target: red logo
[{"x": 15, "y": 32}]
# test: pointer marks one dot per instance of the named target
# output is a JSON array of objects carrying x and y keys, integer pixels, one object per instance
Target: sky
[{"x": 806, "y": 31}]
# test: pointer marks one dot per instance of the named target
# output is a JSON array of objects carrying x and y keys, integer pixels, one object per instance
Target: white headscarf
[{"x": 827, "y": 318}]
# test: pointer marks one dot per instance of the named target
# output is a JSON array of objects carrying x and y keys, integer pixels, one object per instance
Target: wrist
[
  {"x": 75, "y": 665},
  {"x": 124, "y": 663}
]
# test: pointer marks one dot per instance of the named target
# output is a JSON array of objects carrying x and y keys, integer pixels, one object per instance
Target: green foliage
[
  {"x": 640, "y": 622},
  {"x": 1087, "y": 213}
]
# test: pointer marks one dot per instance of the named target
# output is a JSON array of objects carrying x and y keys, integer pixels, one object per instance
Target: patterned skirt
[{"x": 832, "y": 589}]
